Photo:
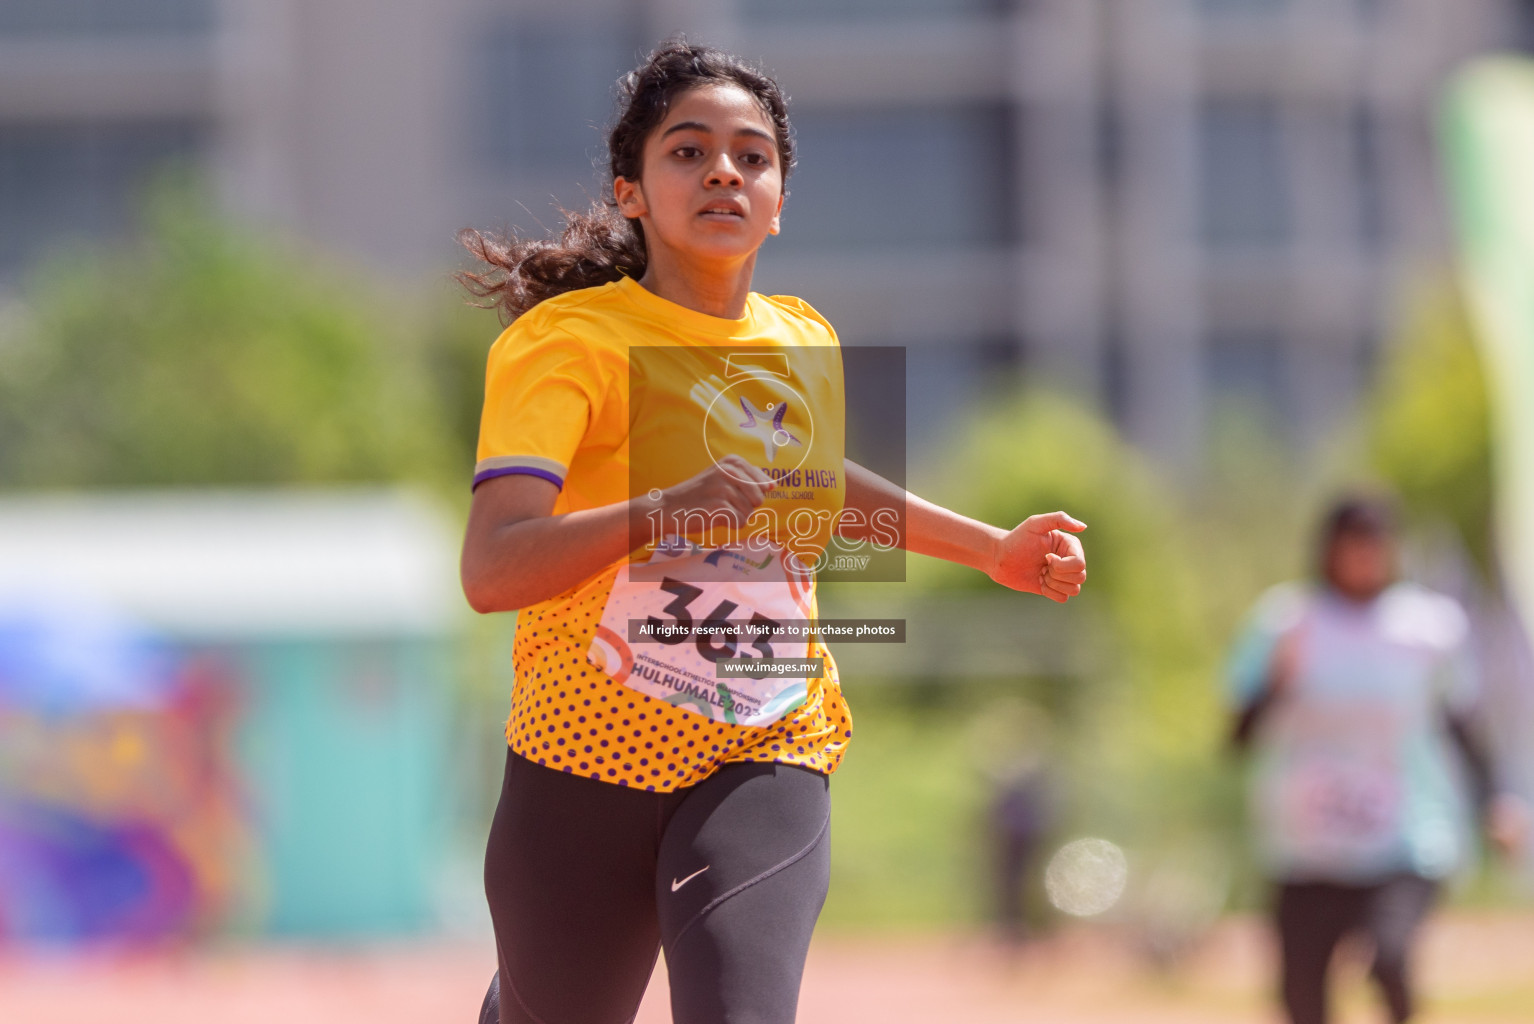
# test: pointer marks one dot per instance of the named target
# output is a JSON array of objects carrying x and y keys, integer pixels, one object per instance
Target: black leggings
[
  {"x": 1314, "y": 916},
  {"x": 588, "y": 881}
]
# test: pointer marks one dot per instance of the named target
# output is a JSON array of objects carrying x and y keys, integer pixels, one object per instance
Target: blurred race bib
[{"x": 1341, "y": 810}]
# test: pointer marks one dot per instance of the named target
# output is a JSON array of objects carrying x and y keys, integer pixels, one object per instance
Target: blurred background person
[
  {"x": 1021, "y": 813},
  {"x": 1354, "y": 694}
]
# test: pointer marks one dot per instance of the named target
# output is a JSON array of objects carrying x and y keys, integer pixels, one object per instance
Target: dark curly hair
[{"x": 601, "y": 245}]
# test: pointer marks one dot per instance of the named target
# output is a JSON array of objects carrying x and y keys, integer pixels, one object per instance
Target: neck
[
  {"x": 1356, "y": 595},
  {"x": 718, "y": 290}
]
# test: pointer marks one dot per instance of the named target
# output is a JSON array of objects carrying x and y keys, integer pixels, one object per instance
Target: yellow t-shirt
[{"x": 557, "y": 406}]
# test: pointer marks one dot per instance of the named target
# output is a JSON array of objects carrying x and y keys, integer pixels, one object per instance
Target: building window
[
  {"x": 79, "y": 181},
  {"x": 937, "y": 175},
  {"x": 1523, "y": 25},
  {"x": 1244, "y": 369},
  {"x": 1243, "y": 196},
  {"x": 1219, "y": 8},
  {"x": 549, "y": 94},
  {"x": 1368, "y": 177},
  {"x": 105, "y": 17},
  {"x": 1369, "y": 10},
  {"x": 1110, "y": 144},
  {"x": 833, "y": 10}
]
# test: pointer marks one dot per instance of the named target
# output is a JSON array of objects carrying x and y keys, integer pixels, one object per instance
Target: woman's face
[
  {"x": 712, "y": 183},
  {"x": 1360, "y": 565}
]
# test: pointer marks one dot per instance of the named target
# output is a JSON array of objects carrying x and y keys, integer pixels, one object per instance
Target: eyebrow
[{"x": 699, "y": 126}]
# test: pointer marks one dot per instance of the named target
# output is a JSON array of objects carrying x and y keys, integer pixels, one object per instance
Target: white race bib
[
  {"x": 670, "y": 620},
  {"x": 1341, "y": 807}
]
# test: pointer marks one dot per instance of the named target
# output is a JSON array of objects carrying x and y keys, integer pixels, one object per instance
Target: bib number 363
[{"x": 668, "y": 623}]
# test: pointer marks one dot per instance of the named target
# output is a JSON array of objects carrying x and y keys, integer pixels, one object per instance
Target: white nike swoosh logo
[{"x": 675, "y": 885}]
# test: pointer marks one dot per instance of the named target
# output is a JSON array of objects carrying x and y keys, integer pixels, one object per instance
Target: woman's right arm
[{"x": 517, "y": 553}]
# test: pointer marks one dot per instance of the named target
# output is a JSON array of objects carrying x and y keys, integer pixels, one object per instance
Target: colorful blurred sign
[
  {"x": 119, "y": 817},
  {"x": 224, "y": 711}
]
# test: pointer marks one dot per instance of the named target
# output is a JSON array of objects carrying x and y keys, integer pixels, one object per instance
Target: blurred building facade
[{"x": 1156, "y": 203}]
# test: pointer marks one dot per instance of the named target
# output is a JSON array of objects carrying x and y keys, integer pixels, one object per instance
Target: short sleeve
[
  {"x": 542, "y": 391},
  {"x": 803, "y": 309},
  {"x": 1246, "y": 670}
]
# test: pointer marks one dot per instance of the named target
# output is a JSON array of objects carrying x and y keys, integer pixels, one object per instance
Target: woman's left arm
[{"x": 1038, "y": 556}]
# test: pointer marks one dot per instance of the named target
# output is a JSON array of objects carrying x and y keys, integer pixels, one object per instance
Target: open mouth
[{"x": 721, "y": 211}]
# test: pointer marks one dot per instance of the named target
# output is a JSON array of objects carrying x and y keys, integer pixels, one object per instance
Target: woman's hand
[
  {"x": 1508, "y": 825},
  {"x": 732, "y": 486},
  {"x": 1041, "y": 557}
]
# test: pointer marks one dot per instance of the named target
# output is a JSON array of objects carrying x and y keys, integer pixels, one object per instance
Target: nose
[{"x": 724, "y": 173}]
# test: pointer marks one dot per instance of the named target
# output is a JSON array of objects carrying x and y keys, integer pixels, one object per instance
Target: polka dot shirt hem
[{"x": 569, "y": 715}]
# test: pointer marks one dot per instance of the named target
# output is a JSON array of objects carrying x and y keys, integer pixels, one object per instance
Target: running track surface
[{"x": 1475, "y": 969}]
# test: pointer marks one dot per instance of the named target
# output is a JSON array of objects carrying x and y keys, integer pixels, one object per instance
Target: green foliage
[
  {"x": 1147, "y": 716},
  {"x": 201, "y": 354},
  {"x": 906, "y": 821},
  {"x": 1429, "y": 424},
  {"x": 459, "y": 339}
]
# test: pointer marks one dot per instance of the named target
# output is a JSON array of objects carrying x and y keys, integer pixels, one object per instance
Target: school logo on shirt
[
  {"x": 772, "y": 434},
  {"x": 778, "y": 409},
  {"x": 755, "y": 407}
]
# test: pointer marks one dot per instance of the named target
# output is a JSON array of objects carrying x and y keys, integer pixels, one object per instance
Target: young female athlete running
[{"x": 648, "y": 803}]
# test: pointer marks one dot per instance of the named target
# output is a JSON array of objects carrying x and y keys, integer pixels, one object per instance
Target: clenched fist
[{"x": 1042, "y": 557}]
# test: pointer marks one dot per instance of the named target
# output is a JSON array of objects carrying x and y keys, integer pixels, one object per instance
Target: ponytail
[{"x": 596, "y": 247}]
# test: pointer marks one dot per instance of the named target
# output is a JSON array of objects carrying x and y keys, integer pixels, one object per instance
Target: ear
[
  {"x": 777, "y": 217},
  {"x": 630, "y": 198}
]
